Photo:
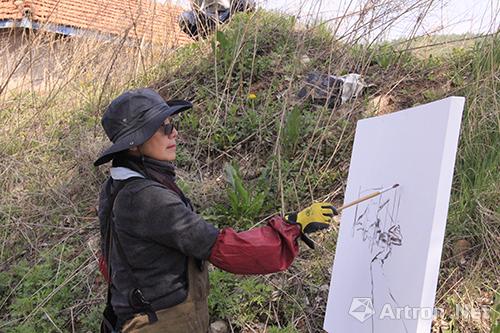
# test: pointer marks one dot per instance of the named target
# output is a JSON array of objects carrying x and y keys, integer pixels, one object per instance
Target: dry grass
[{"x": 54, "y": 90}]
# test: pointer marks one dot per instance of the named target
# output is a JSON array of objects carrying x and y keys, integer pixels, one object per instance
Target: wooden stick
[{"x": 366, "y": 197}]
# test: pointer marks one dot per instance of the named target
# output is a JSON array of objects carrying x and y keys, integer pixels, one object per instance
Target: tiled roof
[{"x": 144, "y": 19}]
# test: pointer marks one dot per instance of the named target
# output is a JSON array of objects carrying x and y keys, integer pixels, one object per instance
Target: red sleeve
[
  {"x": 103, "y": 267},
  {"x": 262, "y": 250}
]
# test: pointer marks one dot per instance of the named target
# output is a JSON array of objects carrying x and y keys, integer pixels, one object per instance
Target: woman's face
[{"x": 160, "y": 146}]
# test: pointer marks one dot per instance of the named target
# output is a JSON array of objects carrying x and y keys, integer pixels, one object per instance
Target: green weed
[
  {"x": 240, "y": 300},
  {"x": 288, "y": 329},
  {"x": 385, "y": 56},
  {"x": 245, "y": 205},
  {"x": 477, "y": 176},
  {"x": 38, "y": 297}
]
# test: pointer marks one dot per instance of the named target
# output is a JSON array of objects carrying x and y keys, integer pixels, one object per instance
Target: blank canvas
[{"x": 388, "y": 252}]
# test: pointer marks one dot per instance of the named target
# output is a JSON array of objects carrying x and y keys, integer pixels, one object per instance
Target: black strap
[
  {"x": 109, "y": 317},
  {"x": 135, "y": 297}
]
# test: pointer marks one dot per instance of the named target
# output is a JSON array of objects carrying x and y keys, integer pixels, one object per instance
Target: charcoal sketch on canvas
[{"x": 377, "y": 222}]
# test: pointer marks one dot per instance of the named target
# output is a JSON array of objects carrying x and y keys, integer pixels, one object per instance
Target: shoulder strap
[
  {"x": 110, "y": 319},
  {"x": 135, "y": 297},
  {"x": 114, "y": 194}
]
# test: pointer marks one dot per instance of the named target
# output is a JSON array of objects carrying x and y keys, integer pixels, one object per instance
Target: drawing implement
[
  {"x": 310, "y": 242},
  {"x": 366, "y": 197}
]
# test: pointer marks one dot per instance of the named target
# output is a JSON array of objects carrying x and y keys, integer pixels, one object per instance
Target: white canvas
[{"x": 388, "y": 252}]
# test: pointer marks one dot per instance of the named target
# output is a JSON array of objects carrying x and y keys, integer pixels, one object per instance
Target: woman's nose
[{"x": 174, "y": 133}]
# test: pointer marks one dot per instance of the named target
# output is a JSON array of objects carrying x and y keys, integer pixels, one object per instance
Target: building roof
[{"x": 142, "y": 19}]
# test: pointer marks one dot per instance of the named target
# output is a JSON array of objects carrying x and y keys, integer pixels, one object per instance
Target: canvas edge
[
  {"x": 413, "y": 108},
  {"x": 442, "y": 200}
]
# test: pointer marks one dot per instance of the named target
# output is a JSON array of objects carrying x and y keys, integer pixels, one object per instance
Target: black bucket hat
[{"x": 133, "y": 117}]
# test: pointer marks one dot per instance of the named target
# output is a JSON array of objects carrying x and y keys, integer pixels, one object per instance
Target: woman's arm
[{"x": 262, "y": 250}]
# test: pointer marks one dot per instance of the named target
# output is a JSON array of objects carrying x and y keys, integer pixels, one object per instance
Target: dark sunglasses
[{"x": 168, "y": 128}]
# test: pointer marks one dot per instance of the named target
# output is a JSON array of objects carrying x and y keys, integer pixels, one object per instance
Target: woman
[{"x": 154, "y": 245}]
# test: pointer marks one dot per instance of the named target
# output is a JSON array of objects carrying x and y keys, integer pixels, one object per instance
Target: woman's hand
[{"x": 316, "y": 217}]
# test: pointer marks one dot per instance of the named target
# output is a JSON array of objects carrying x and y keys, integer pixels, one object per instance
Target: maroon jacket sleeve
[
  {"x": 262, "y": 250},
  {"x": 103, "y": 267}
]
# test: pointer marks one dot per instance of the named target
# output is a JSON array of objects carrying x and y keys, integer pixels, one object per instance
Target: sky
[{"x": 443, "y": 17}]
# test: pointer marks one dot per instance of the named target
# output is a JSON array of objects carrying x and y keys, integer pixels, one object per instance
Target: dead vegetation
[{"x": 243, "y": 81}]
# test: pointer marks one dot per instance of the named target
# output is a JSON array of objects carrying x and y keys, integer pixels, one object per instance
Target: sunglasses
[{"x": 168, "y": 128}]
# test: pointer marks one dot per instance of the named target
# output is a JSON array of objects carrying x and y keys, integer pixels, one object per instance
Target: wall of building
[
  {"x": 11, "y": 40},
  {"x": 44, "y": 61},
  {"x": 37, "y": 60},
  {"x": 22, "y": 58}
]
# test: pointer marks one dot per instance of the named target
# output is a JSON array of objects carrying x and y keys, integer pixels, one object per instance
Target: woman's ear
[{"x": 134, "y": 151}]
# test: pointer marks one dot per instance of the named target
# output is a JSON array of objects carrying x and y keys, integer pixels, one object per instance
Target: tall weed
[{"x": 245, "y": 205}]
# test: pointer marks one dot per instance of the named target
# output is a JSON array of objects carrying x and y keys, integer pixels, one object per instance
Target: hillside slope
[{"x": 278, "y": 153}]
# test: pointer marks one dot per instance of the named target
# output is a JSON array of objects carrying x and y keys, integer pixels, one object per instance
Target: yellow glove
[{"x": 315, "y": 217}]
